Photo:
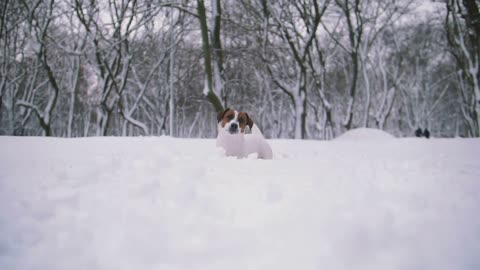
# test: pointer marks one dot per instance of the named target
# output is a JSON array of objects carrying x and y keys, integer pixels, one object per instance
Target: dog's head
[{"x": 234, "y": 122}]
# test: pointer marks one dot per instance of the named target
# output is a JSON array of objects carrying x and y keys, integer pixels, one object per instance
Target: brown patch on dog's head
[
  {"x": 225, "y": 116},
  {"x": 244, "y": 120},
  {"x": 221, "y": 114}
]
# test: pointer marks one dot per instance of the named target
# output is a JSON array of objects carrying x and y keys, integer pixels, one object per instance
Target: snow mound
[{"x": 365, "y": 134}]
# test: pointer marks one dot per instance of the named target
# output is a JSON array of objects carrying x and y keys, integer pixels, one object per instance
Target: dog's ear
[
  {"x": 249, "y": 121},
  {"x": 221, "y": 114}
]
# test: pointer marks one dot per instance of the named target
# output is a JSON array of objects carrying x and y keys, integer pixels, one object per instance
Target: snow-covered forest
[{"x": 302, "y": 69}]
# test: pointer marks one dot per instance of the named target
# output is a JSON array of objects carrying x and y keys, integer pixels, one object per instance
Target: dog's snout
[{"x": 233, "y": 129}]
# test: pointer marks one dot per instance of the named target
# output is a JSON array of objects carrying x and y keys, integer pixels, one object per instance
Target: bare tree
[
  {"x": 352, "y": 14},
  {"x": 298, "y": 46},
  {"x": 212, "y": 47},
  {"x": 463, "y": 30},
  {"x": 389, "y": 89},
  {"x": 12, "y": 61},
  {"x": 43, "y": 19},
  {"x": 112, "y": 54},
  {"x": 377, "y": 16}
]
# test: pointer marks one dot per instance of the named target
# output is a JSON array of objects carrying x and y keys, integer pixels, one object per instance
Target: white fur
[{"x": 242, "y": 145}]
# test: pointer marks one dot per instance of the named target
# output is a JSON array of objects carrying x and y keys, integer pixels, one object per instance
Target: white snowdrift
[
  {"x": 365, "y": 134},
  {"x": 164, "y": 203}
]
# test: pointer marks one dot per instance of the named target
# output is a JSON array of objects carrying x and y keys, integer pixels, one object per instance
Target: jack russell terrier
[{"x": 240, "y": 137}]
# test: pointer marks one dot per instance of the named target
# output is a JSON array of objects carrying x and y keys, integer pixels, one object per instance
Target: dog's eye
[{"x": 230, "y": 117}]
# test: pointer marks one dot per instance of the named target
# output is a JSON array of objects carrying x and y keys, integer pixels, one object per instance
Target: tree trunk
[
  {"x": 208, "y": 90},
  {"x": 171, "y": 77},
  {"x": 353, "y": 90},
  {"x": 75, "y": 84},
  {"x": 355, "y": 31},
  {"x": 366, "y": 115}
]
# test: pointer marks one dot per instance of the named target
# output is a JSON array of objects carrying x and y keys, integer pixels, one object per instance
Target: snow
[
  {"x": 206, "y": 89},
  {"x": 365, "y": 134},
  {"x": 165, "y": 203}
]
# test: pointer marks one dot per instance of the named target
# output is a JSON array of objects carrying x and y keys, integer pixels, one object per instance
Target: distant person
[
  {"x": 418, "y": 132},
  {"x": 426, "y": 133}
]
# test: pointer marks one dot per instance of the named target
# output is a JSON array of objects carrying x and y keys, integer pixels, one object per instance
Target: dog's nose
[{"x": 233, "y": 126}]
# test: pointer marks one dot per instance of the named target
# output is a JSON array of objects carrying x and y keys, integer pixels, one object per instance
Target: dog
[{"x": 240, "y": 137}]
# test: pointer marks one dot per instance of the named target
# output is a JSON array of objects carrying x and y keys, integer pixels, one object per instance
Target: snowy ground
[{"x": 164, "y": 203}]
